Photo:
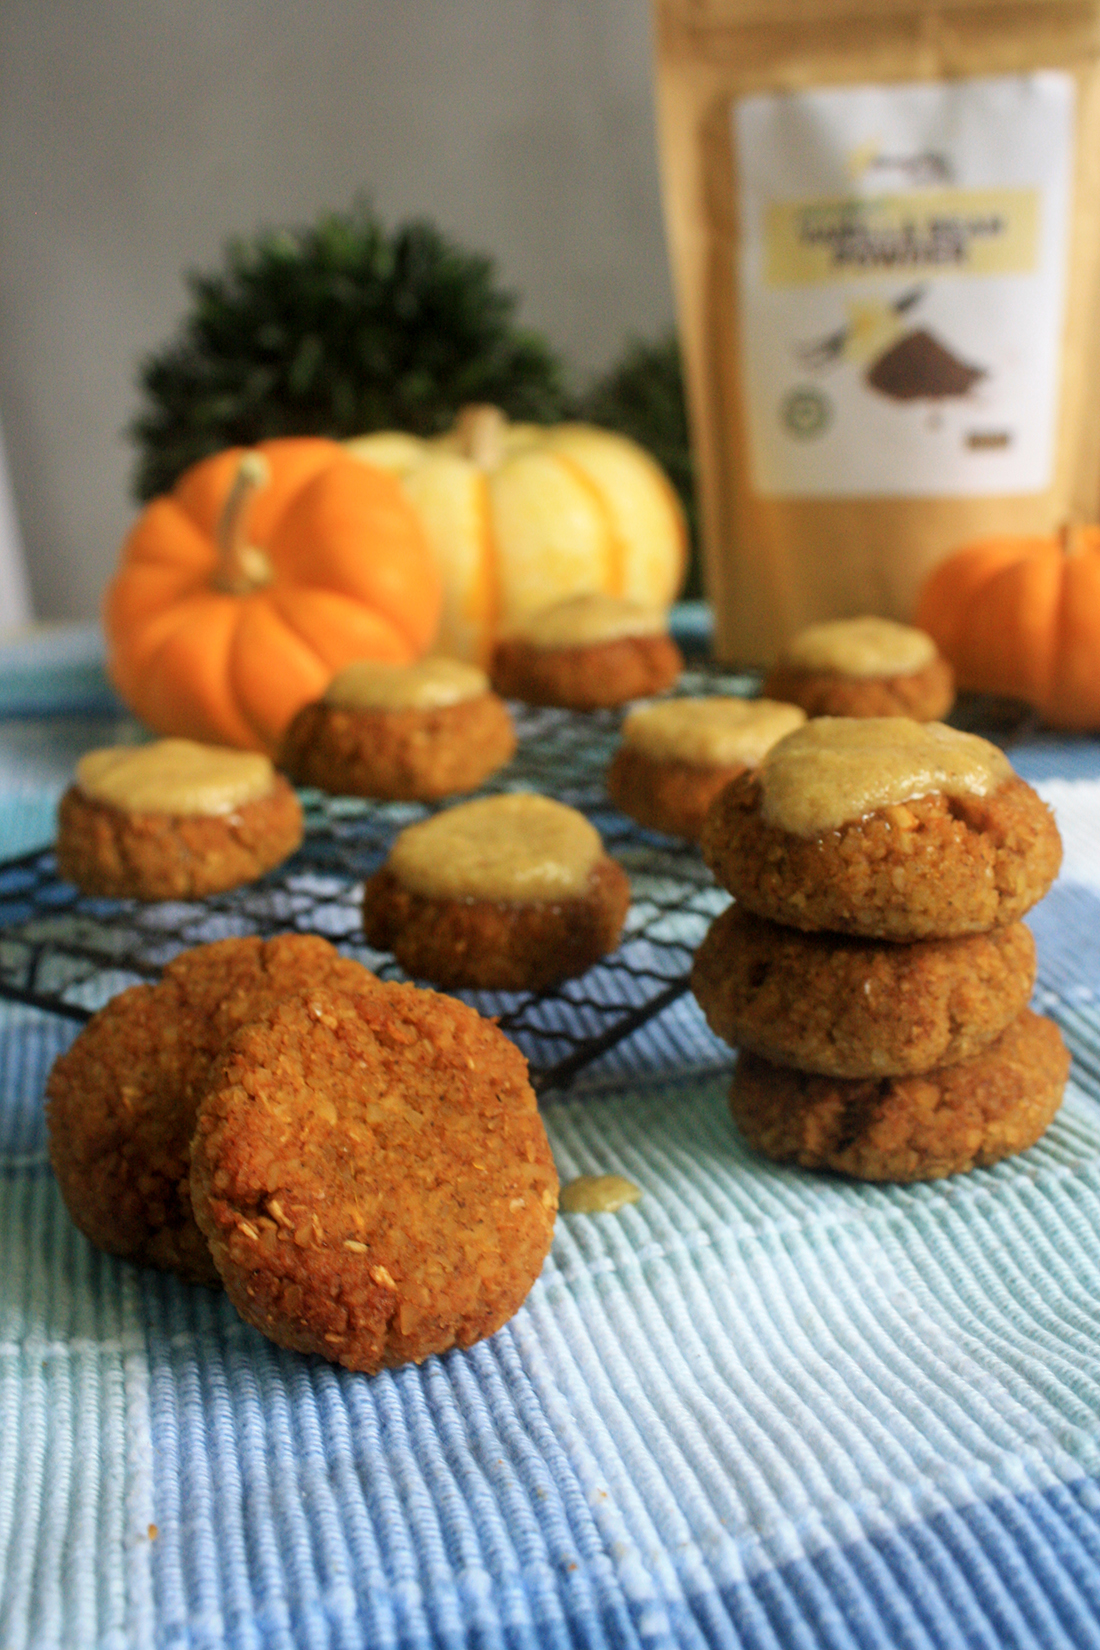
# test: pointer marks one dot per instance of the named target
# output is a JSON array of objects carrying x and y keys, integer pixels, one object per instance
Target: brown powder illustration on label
[{"x": 919, "y": 368}]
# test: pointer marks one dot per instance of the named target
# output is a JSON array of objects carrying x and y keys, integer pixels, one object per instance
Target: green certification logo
[{"x": 806, "y": 412}]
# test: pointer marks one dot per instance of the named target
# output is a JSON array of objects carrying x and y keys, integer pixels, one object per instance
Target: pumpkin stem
[
  {"x": 242, "y": 567},
  {"x": 480, "y": 431}
]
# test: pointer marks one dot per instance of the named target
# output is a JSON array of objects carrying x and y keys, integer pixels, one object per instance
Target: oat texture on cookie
[{"x": 372, "y": 1175}]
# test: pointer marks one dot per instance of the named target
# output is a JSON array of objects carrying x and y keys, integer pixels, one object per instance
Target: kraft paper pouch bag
[{"x": 884, "y": 223}]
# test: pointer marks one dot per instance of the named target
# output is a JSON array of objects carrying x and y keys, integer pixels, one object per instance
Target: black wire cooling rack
[{"x": 67, "y": 953}]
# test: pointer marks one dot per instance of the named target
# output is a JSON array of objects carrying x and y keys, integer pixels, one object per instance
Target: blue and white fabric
[{"x": 760, "y": 1408}]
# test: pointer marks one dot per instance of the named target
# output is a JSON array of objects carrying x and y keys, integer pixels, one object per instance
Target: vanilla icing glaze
[
  {"x": 578, "y": 621},
  {"x": 861, "y": 647},
  {"x": 836, "y": 769},
  {"x": 714, "y": 732},
  {"x": 175, "y": 776},
  {"x": 515, "y": 847},
  {"x": 597, "y": 1194},
  {"x": 429, "y": 685}
]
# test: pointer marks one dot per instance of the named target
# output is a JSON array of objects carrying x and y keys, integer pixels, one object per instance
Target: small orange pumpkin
[
  {"x": 264, "y": 571},
  {"x": 1021, "y": 616}
]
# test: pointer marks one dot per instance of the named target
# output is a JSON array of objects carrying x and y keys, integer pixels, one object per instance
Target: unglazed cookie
[
  {"x": 174, "y": 820},
  {"x": 676, "y": 755},
  {"x": 863, "y": 667},
  {"x": 884, "y": 827},
  {"x": 586, "y": 652},
  {"x": 958, "y": 1117},
  {"x": 401, "y": 733},
  {"x": 511, "y": 893},
  {"x": 847, "y": 1007},
  {"x": 372, "y": 1175},
  {"x": 122, "y": 1100}
]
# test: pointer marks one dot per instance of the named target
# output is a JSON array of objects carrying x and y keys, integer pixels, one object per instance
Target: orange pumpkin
[
  {"x": 1021, "y": 616},
  {"x": 263, "y": 572}
]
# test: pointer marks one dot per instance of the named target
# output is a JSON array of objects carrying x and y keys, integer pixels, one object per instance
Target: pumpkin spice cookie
[
  {"x": 863, "y": 667},
  {"x": 676, "y": 756},
  {"x": 174, "y": 820},
  {"x": 958, "y": 1117},
  {"x": 507, "y": 893},
  {"x": 847, "y": 1007},
  {"x": 121, "y": 1101},
  {"x": 372, "y": 1175},
  {"x": 586, "y": 652},
  {"x": 885, "y": 827},
  {"x": 401, "y": 733}
]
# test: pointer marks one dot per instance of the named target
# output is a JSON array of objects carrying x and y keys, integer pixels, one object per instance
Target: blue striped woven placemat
[{"x": 758, "y": 1408}]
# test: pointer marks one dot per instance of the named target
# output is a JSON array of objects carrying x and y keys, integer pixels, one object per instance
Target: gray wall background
[{"x": 138, "y": 136}]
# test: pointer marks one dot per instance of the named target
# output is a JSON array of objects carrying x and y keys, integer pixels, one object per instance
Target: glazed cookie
[
  {"x": 121, "y": 1101},
  {"x": 174, "y": 820},
  {"x": 508, "y": 893},
  {"x": 863, "y": 667},
  {"x": 849, "y": 1007},
  {"x": 372, "y": 1175},
  {"x": 885, "y": 827},
  {"x": 586, "y": 652},
  {"x": 676, "y": 756},
  {"x": 413, "y": 733},
  {"x": 958, "y": 1117}
]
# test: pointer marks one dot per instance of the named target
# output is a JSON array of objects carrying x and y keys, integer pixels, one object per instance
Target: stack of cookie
[{"x": 874, "y": 971}]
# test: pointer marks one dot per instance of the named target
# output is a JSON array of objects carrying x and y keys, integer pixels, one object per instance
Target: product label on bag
[{"x": 902, "y": 281}]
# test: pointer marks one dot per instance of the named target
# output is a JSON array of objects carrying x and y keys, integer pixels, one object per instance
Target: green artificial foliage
[
  {"x": 337, "y": 329},
  {"x": 642, "y": 396}
]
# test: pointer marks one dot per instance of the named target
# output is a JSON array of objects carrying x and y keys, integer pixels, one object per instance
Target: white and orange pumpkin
[{"x": 521, "y": 515}]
